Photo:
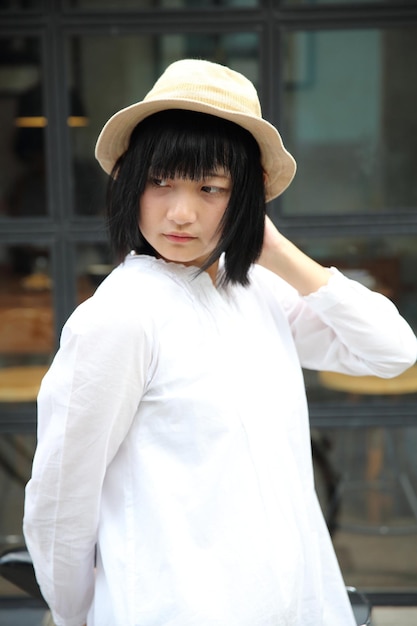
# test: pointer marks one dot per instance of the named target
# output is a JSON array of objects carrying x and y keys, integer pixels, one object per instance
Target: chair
[{"x": 26, "y": 345}]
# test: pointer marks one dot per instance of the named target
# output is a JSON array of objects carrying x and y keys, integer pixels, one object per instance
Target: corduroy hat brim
[{"x": 205, "y": 87}]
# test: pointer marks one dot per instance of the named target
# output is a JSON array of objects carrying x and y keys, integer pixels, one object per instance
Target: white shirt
[{"x": 173, "y": 433}]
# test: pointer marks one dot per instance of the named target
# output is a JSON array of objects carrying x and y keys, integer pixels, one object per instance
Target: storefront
[{"x": 339, "y": 81}]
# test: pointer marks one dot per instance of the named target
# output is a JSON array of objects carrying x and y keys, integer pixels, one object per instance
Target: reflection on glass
[
  {"x": 25, "y": 275},
  {"x": 93, "y": 265},
  {"x": 23, "y": 121},
  {"x": 366, "y": 480},
  {"x": 349, "y": 104},
  {"x": 97, "y": 62},
  {"x": 26, "y": 322},
  {"x": 100, "y": 5}
]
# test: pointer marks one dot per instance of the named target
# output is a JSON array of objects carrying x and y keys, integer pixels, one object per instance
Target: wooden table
[{"x": 21, "y": 384}]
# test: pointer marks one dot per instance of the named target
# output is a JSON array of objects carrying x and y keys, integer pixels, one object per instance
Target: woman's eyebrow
[{"x": 217, "y": 175}]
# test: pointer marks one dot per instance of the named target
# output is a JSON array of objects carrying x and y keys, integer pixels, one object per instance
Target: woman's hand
[{"x": 282, "y": 257}]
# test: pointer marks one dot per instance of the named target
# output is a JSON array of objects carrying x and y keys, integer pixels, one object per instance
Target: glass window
[
  {"x": 22, "y": 129},
  {"x": 349, "y": 103},
  {"x": 26, "y": 322},
  {"x": 27, "y": 345},
  {"x": 367, "y": 484},
  {"x": 98, "y": 62},
  {"x": 25, "y": 278}
]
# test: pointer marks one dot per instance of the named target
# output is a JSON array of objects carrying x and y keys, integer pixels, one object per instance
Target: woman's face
[{"x": 180, "y": 218}]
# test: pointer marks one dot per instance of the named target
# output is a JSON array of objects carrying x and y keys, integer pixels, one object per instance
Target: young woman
[{"x": 172, "y": 482}]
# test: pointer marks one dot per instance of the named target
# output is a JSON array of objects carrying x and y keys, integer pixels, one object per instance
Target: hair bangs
[{"x": 196, "y": 154}]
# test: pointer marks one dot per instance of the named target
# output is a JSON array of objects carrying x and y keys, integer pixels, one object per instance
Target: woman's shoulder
[
  {"x": 136, "y": 291},
  {"x": 137, "y": 280},
  {"x": 123, "y": 296}
]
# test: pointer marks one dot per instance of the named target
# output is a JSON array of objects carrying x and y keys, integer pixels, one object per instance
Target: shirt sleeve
[
  {"x": 346, "y": 327},
  {"x": 86, "y": 405}
]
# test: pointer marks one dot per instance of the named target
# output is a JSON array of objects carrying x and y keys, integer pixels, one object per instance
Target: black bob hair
[{"x": 180, "y": 143}]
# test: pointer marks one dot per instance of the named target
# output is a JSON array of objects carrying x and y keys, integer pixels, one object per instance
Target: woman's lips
[{"x": 179, "y": 237}]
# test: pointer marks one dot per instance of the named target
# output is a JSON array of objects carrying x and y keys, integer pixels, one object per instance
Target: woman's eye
[
  {"x": 159, "y": 182},
  {"x": 210, "y": 189}
]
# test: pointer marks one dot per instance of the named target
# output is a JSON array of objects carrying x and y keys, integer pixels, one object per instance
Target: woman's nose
[{"x": 182, "y": 209}]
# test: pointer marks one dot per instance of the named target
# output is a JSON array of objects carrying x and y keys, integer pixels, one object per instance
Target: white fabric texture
[{"x": 173, "y": 433}]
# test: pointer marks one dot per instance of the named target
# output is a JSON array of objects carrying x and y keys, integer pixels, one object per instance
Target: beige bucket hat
[{"x": 197, "y": 85}]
